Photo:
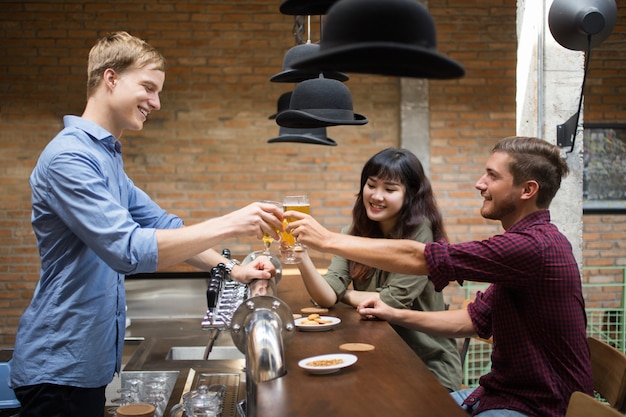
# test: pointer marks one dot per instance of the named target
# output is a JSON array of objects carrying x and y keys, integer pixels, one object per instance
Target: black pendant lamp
[
  {"x": 384, "y": 37},
  {"x": 292, "y": 75},
  {"x": 579, "y": 25},
  {"x": 306, "y": 7},
  {"x": 313, "y": 136},
  {"x": 320, "y": 102}
]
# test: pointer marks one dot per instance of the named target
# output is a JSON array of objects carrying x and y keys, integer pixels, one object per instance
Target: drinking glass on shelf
[
  {"x": 135, "y": 386},
  {"x": 289, "y": 245}
]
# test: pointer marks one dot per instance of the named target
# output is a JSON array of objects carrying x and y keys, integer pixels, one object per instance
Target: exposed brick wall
[
  {"x": 605, "y": 87},
  {"x": 604, "y": 257},
  {"x": 469, "y": 115},
  {"x": 205, "y": 152}
]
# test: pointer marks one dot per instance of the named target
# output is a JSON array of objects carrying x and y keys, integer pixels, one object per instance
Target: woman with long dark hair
[{"x": 395, "y": 201}]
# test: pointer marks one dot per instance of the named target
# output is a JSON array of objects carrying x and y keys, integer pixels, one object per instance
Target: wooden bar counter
[{"x": 391, "y": 380}]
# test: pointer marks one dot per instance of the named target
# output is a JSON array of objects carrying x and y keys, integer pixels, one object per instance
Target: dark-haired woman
[{"x": 395, "y": 201}]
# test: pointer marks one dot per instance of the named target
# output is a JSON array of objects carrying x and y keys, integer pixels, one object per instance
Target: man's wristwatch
[{"x": 230, "y": 265}]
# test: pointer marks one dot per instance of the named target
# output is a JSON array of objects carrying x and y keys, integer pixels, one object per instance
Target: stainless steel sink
[
  {"x": 225, "y": 352},
  {"x": 200, "y": 353}
]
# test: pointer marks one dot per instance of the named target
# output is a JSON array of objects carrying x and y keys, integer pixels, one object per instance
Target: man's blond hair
[{"x": 119, "y": 51}]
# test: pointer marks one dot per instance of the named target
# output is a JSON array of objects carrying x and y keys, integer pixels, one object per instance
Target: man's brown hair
[{"x": 535, "y": 159}]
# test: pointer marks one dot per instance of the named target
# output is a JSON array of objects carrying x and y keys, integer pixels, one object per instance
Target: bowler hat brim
[
  {"x": 300, "y": 119},
  {"x": 383, "y": 58},
  {"x": 298, "y": 75},
  {"x": 306, "y": 7},
  {"x": 303, "y": 138}
]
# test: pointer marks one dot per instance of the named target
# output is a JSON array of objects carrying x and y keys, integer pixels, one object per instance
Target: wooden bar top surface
[{"x": 388, "y": 381}]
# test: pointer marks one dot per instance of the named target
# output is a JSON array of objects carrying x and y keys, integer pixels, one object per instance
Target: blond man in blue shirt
[{"x": 94, "y": 226}]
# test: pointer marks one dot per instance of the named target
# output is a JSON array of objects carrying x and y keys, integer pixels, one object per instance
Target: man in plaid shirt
[{"x": 533, "y": 309}]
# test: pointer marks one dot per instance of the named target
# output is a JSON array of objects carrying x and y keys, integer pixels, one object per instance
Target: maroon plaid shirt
[{"x": 534, "y": 309}]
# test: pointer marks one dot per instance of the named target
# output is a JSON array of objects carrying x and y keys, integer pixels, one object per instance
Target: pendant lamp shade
[
  {"x": 572, "y": 22},
  {"x": 299, "y": 52},
  {"x": 306, "y": 7},
  {"x": 320, "y": 102},
  {"x": 314, "y": 136},
  {"x": 384, "y": 37}
]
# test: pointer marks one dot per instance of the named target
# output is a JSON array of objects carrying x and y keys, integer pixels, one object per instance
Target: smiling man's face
[
  {"x": 498, "y": 190},
  {"x": 135, "y": 95}
]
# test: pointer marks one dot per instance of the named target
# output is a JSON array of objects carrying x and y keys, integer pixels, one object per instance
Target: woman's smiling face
[{"x": 383, "y": 200}]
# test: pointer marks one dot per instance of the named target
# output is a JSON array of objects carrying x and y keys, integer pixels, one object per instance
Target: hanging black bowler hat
[
  {"x": 320, "y": 102},
  {"x": 306, "y": 7},
  {"x": 314, "y": 136},
  {"x": 390, "y": 37},
  {"x": 281, "y": 104},
  {"x": 297, "y": 53}
]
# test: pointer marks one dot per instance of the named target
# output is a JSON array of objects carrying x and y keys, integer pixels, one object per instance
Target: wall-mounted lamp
[{"x": 579, "y": 25}]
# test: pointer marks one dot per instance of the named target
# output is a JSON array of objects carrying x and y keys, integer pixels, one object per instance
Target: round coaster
[
  {"x": 136, "y": 410},
  {"x": 357, "y": 347},
  {"x": 311, "y": 310}
]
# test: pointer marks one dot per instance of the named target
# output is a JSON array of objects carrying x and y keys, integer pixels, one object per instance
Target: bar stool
[
  {"x": 583, "y": 405},
  {"x": 608, "y": 368}
]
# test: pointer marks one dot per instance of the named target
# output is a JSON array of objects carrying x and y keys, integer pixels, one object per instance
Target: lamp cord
[
  {"x": 298, "y": 29},
  {"x": 582, "y": 90}
]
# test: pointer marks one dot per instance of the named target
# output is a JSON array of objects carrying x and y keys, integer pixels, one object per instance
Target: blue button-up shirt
[{"x": 93, "y": 226}]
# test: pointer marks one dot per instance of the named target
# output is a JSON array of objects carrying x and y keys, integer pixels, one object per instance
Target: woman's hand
[{"x": 307, "y": 230}]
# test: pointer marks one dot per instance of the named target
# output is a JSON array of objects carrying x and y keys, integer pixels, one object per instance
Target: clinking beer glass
[
  {"x": 289, "y": 246},
  {"x": 267, "y": 239}
]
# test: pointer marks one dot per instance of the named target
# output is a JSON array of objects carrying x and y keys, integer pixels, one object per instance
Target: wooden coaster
[
  {"x": 312, "y": 310},
  {"x": 357, "y": 347},
  {"x": 136, "y": 410}
]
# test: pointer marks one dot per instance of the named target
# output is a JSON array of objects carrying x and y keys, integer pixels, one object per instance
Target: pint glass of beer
[
  {"x": 267, "y": 239},
  {"x": 289, "y": 245}
]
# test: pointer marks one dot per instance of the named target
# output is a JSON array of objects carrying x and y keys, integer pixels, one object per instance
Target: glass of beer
[
  {"x": 267, "y": 239},
  {"x": 289, "y": 244}
]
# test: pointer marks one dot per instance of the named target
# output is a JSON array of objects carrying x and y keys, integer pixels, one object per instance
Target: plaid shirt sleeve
[
  {"x": 509, "y": 258},
  {"x": 534, "y": 310}
]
